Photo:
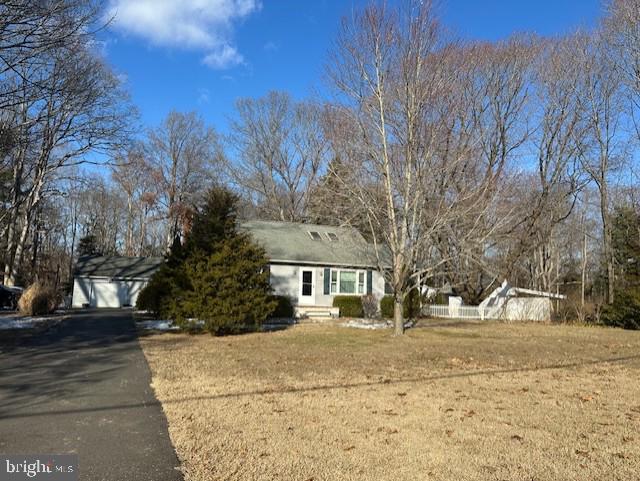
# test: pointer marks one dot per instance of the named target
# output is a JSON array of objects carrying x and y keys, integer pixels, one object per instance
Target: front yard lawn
[{"x": 449, "y": 401}]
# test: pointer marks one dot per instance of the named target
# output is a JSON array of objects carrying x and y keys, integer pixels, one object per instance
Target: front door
[{"x": 307, "y": 287}]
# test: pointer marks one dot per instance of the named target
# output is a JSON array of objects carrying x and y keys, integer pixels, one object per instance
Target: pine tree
[
  {"x": 215, "y": 221},
  {"x": 229, "y": 289},
  {"x": 218, "y": 276},
  {"x": 88, "y": 246}
]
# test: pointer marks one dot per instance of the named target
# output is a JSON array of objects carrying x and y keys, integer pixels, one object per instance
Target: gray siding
[{"x": 285, "y": 281}]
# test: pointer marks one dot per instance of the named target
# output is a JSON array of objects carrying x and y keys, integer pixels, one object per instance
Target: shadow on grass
[
  {"x": 241, "y": 330},
  {"x": 330, "y": 387}
]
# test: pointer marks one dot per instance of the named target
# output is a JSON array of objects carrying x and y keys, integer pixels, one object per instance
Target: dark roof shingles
[{"x": 116, "y": 267}]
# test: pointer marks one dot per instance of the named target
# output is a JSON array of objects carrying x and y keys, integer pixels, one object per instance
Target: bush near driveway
[{"x": 39, "y": 299}]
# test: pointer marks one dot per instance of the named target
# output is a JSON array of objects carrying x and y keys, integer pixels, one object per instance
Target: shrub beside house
[{"x": 218, "y": 276}]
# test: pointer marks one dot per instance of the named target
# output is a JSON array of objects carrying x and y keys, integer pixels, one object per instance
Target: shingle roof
[
  {"x": 292, "y": 242},
  {"x": 116, "y": 267}
]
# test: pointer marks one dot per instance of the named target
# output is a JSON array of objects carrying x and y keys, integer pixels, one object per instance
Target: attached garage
[{"x": 111, "y": 281}]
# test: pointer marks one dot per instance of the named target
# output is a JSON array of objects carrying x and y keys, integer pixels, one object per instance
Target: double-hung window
[
  {"x": 360, "y": 282},
  {"x": 334, "y": 282},
  {"x": 347, "y": 281}
]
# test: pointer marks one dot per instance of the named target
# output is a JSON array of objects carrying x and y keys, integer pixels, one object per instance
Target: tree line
[{"x": 470, "y": 162}]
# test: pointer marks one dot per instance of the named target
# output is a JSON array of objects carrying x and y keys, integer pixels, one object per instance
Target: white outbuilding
[
  {"x": 518, "y": 304},
  {"x": 111, "y": 281}
]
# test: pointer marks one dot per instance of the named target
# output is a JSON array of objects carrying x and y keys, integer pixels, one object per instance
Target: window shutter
[
  {"x": 369, "y": 282},
  {"x": 327, "y": 281}
]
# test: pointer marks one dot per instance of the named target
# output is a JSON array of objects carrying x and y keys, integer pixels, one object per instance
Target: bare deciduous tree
[
  {"x": 80, "y": 109},
  {"x": 281, "y": 153},
  {"x": 398, "y": 91},
  {"x": 622, "y": 31},
  {"x": 605, "y": 151},
  {"x": 186, "y": 157},
  {"x": 131, "y": 173}
]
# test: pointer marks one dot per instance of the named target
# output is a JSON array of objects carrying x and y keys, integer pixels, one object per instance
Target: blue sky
[{"x": 203, "y": 54}]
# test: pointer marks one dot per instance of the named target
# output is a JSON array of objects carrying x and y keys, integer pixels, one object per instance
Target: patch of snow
[
  {"x": 195, "y": 322},
  {"x": 158, "y": 325},
  {"x": 362, "y": 324},
  {"x": 21, "y": 322}
]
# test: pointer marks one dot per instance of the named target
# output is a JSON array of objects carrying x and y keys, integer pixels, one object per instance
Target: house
[
  {"x": 111, "y": 281},
  {"x": 312, "y": 264}
]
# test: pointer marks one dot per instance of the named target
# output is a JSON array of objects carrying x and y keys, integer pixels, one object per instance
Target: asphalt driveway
[{"x": 84, "y": 388}]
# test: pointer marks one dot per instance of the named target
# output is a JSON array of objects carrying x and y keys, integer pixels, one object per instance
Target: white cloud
[
  {"x": 204, "y": 96},
  {"x": 205, "y": 25},
  {"x": 224, "y": 56},
  {"x": 270, "y": 46}
]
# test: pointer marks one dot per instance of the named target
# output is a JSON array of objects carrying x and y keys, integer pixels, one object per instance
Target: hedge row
[{"x": 351, "y": 306}]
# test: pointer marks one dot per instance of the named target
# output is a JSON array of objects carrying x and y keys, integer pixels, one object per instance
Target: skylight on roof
[
  {"x": 315, "y": 235},
  {"x": 332, "y": 236}
]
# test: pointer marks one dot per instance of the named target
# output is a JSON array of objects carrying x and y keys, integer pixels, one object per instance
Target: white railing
[{"x": 463, "y": 312}]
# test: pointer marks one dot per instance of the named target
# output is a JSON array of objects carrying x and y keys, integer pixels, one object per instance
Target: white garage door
[{"x": 105, "y": 294}]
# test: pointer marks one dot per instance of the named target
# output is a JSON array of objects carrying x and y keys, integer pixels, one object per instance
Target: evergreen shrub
[
  {"x": 217, "y": 279},
  {"x": 350, "y": 306},
  {"x": 283, "y": 309}
]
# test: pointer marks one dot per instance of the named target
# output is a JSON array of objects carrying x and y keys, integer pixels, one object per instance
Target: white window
[
  {"x": 347, "y": 282},
  {"x": 315, "y": 235},
  {"x": 332, "y": 236}
]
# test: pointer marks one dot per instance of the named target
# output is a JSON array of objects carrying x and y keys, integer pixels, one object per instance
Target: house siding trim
[{"x": 285, "y": 281}]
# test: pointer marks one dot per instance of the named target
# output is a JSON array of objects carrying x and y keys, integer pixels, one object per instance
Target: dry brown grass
[{"x": 456, "y": 402}]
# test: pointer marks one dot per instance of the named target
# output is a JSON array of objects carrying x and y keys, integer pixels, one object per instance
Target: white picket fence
[{"x": 463, "y": 312}]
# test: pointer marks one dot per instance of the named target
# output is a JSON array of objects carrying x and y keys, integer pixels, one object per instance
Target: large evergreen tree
[{"x": 218, "y": 276}]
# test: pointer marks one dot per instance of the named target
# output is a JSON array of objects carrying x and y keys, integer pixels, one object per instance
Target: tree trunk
[
  {"x": 72, "y": 249},
  {"x": 143, "y": 230},
  {"x": 398, "y": 320},
  {"x": 606, "y": 234},
  {"x": 10, "y": 279},
  {"x": 9, "y": 251},
  {"x": 13, "y": 216},
  {"x": 129, "y": 248},
  {"x": 584, "y": 269}
]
